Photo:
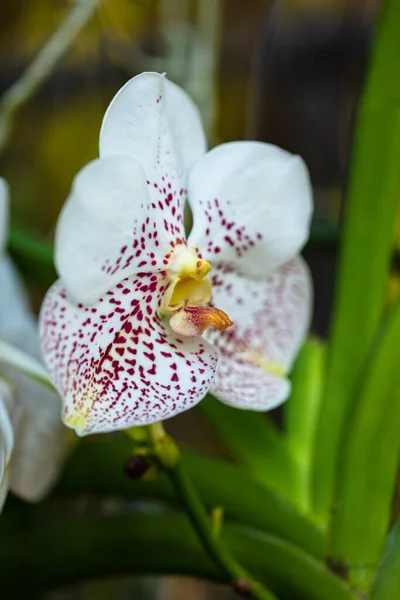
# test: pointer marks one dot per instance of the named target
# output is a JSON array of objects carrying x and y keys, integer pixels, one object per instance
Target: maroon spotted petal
[
  {"x": 117, "y": 364},
  {"x": 271, "y": 320}
]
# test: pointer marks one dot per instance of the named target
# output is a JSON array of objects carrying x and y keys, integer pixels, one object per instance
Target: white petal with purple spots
[
  {"x": 155, "y": 122},
  {"x": 117, "y": 364},
  {"x": 252, "y": 206},
  {"x": 271, "y": 320},
  {"x": 109, "y": 229}
]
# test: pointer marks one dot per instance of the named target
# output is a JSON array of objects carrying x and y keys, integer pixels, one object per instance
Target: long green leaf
[
  {"x": 370, "y": 216},
  {"x": 30, "y": 245},
  {"x": 387, "y": 584},
  {"x": 69, "y": 552},
  {"x": 369, "y": 462},
  {"x": 301, "y": 412},
  {"x": 33, "y": 256},
  {"x": 96, "y": 468},
  {"x": 256, "y": 443}
]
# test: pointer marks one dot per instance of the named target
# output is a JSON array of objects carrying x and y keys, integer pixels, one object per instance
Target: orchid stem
[
  {"x": 42, "y": 65},
  {"x": 165, "y": 448}
]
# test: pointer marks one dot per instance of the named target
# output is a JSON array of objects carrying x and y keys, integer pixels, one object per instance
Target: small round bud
[{"x": 137, "y": 465}]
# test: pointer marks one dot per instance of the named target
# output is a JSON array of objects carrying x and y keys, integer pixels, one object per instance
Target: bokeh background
[{"x": 287, "y": 71}]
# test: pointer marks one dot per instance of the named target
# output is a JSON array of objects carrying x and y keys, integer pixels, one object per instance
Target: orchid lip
[
  {"x": 194, "y": 320},
  {"x": 186, "y": 291}
]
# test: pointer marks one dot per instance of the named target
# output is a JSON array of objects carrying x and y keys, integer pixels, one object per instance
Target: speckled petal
[
  {"x": 109, "y": 228},
  {"x": 39, "y": 433},
  {"x": 154, "y": 121},
  {"x": 271, "y": 320},
  {"x": 252, "y": 206},
  {"x": 3, "y": 213},
  {"x": 117, "y": 364}
]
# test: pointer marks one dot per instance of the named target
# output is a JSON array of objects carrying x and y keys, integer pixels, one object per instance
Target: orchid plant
[
  {"x": 137, "y": 328},
  {"x": 181, "y": 284}
]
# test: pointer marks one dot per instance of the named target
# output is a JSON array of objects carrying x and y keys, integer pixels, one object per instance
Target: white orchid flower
[
  {"x": 125, "y": 330},
  {"x": 31, "y": 431}
]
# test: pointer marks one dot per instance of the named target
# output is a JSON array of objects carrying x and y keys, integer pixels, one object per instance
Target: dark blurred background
[{"x": 287, "y": 72}]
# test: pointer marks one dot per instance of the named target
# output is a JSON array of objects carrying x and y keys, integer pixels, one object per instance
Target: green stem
[
  {"x": 94, "y": 470},
  {"x": 166, "y": 447},
  {"x": 42, "y": 65},
  {"x": 213, "y": 545}
]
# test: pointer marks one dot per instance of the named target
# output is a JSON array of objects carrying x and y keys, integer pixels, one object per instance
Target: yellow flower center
[
  {"x": 188, "y": 293},
  {"x": 185, "y": 263}
]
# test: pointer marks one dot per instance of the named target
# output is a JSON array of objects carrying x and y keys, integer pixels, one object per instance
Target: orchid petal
[
  {"x": 6, "y": 441},
  {"x": 39, "y": 432},
  {"x": 3, "y": 213},
  {"x": 11, "y": 356},
  {"x": 251, "y": 206},
  {"x": 125, "y": 211},
  {"x": 16, "y": 318},
  {"x": 6, "y": 436},
  {"x": 110, "y": 229},
  {"x": 271, "y": 320},
  {"x": 17, "y": 327},
  {"x": 116, "y": 363},
  {"x": 154, "y": 121},
  {"x": 40, "y": 443}
]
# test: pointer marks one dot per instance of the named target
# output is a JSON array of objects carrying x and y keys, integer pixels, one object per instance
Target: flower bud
[{"x": 137, "y": 465}]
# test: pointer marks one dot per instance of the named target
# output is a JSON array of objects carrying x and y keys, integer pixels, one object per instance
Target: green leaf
[
  {"x": 146, "y": 543},
  {"x": 33, "y": 256},
  {"x": 96, "y": 468},
  {"x": 256, "y": 443},
  {"x": 387, "y": 584},
  {"x": 27, "y": 244},
  {"x": 369, "y": 463},
  {"x": 370, "y": 217},
  {"x": 301, "y": 411}
]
